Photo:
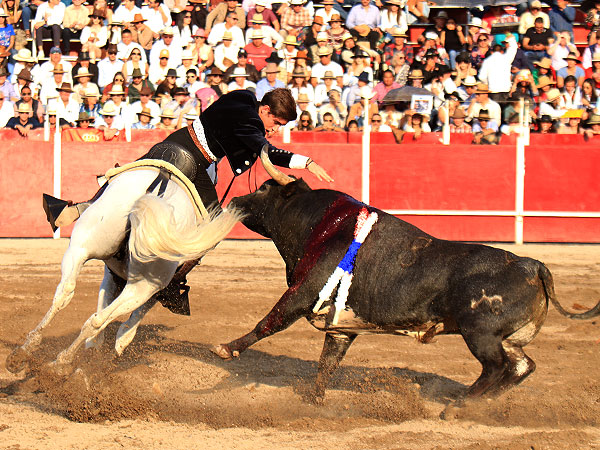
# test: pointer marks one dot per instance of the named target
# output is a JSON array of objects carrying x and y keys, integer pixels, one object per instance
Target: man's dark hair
[
  {"x": 281, "y": 102},
  {"x": 538, "y": 20},
  {"x": 125, "y": 31}
]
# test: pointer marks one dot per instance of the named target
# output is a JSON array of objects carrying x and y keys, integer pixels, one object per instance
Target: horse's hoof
[
  {"x": 17, "y": 360},
  {"x": 223, "y": 352},
  {"x": 59, "y": 369}
]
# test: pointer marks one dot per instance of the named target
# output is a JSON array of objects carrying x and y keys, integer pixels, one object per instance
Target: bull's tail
[
  {"x": 156, "y": 234},
  {"x": 546, "y": 278}
]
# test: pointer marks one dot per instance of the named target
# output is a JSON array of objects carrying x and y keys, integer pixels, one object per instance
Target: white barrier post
[
  {"x": 57, "y": 165},
  {"x": 366, "y": 95},
  {"x": 520, "y": 173},
  {"x": 446, "y": 126}
]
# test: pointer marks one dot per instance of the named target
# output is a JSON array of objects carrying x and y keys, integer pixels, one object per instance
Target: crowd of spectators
[{"x": 160, "y": 64}]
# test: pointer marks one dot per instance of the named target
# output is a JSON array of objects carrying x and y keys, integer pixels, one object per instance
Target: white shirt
[
  {"x": 45, "y": 72},
  {"x": 182, "y": 74},
  {"x": 492, "y": 108},
  {"x": 174, "y": 53},
  {"x": 7, "y": 112},
  {"x": 57, "y": 14},
  {"x": 107, "y": 70},
  {"x": 122, "y": 14},
  {"x": 123, "y": 50},
  {"x": 233, "y": 86},
  {"x": 221, "y": 52},
  {"x": 101, "y": 35},
  {"x": 319, "y": 70},
  {"x": 496, "y": 69},
  {"x": 154, "y": 19},
  {"x": 270, "y": 35},
  {"x": 216, "y": 35},
  {"x": 132, "y": 111},
  {"x": 157, "y": 73},
  {"x": 48, "y": 91},
  {"x": 69, "y": 112}
]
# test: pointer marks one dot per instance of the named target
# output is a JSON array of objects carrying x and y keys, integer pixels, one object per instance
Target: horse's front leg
[
  {"x": 72, "y": 263},
  {"x": 144, "y": 281}
]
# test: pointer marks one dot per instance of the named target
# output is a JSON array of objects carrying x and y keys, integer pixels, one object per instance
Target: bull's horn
[{"x": 273, "y": 172}]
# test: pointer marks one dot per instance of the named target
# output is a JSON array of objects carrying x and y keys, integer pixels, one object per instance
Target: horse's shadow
[{"x": 256, "y": 366}]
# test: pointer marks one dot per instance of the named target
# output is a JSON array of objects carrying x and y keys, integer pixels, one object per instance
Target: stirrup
[{"x": 59, "y": 213}]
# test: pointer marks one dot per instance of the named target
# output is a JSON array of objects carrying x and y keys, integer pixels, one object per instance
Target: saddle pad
[{"x": 177, "y": 176}]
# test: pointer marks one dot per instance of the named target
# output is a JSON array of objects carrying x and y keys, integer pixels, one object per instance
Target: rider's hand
[{"x": 318, "y": 171}]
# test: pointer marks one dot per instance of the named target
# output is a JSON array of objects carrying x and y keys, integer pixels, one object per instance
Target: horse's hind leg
[
  {"x": 136, "y": 292},
  {"x": 128, "y": 329},
  {"x": 107, "y": 293},
  {"x": 72, "y": 263}
]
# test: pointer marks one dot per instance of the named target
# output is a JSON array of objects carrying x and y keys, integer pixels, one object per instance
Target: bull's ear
[{"x": 295, "y": 187}]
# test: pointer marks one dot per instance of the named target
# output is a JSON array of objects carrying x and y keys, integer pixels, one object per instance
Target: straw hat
[
  {"x": 145, "y": 112},
  {"x": 595, "y": 58},
  {"x": 138, "y": 18},
  {"x": 459, "y": 114},
  {"x": 329, "y": 75},
  {"x": 571, "y": 56},
  {"x": 90, "y": 92},
  {"x": 303, "y": 98},
  {"x": 318, "y": 20},
  {"x": 553, "y": 94},
  {"x": 483, "y": 115},
  {"x": 290, "y": 40},
  {"x": 187, "y": 54},
  {"x": 168, "y": 113},
  {"x": 116, "y": 89},
  {"x": 24, "y": 55},
  {"x": 83, "y": 72},
  {"x": 324, "y": 51},
  {"x": 239, "y": 72},
  {"x": 397, "y": 32},
  {"x": 25, "y": 108},
  {"x": 258, "y": 18},
  {"x": 470, "y": 81},
  {"x": 594, "y": 119},
  {"x": 272, "y": 68},
  {"x": 322, "y": 36},
  {"x": 83, "y": 116},
  {"x": 167, "y": 31},
  {"x": 256, "y": 34},
  {"x": 136, "y": 73},
  {"x": 58, "y": 69},
  {"x": 164, "y": 53},
  {"x": 544, "y": 63},
  {"x": 65, "y": 87},
  {"x": 25, "y": 74},
  {"x": 335, "y": 18},
  {"x": 108, "y": 109},
  {"x": 199, "y": 32},
  {"x": 482, "y": 88},
  {"x": 545, "y": 81},
  {"x": 416, "y": 74},
  {"x": 296, "y": 2}
]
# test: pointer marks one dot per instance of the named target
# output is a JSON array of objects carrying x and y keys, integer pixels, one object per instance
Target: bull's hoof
[
  {"x": 17, "y": 360},
  {"x": 223, "y": 352}
]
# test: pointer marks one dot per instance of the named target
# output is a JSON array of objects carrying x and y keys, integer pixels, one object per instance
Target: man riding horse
[{"x": 236, "y": 127}]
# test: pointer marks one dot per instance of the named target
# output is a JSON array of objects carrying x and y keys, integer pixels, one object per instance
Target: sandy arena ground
[{"x": 168, "y": 391}]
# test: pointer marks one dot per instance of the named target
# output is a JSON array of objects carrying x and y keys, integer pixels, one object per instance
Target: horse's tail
[{"x": 156, "y": 234}]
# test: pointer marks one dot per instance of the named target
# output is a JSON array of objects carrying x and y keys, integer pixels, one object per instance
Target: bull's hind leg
[
  {"x": 72, "y": 263},
  {"x": 487, "y": 348},
  {"x": 334, "y": 349}
]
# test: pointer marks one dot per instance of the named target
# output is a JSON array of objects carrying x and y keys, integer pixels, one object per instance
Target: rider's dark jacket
[{"x": 233, "y": 129}]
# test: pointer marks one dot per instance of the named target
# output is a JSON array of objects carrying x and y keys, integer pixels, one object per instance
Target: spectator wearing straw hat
[
  {"x": 527, "y": 19},
  {"x": 145, "y": 101},
  {"x": 138, "y": 82},
  {"x": 166, "y": 42},
  {"x": 187, "y": 63},
  {"x": 594, "y": 64},
  {"x": 158, "y": 73},
  {"x": 48, "y": 89},
  {"x": 269, "y": 82},
  {"x": 393, "y": 16},
  {"x": 264, "y": 7},
  {"x": 126, "y": 12},
  {"x": 167, "y": 120},
  {"x": 483, "y": 101},
  {"x": 295, "y": 18},
  {"x": 253, "y": 74},
  {"x": 90, "y": 104},
  {"x": 24, "y": 79},
  {"x": 65, "y": 105},
  {"x": 142, "y": 34},
  {"x": 117, "y": 97},
  {"x": 572, "y": 68},
  {"x": 304, "y": 104},
  {"x": 485, "y": 129},
  {"x": 51, "y": 113},
  {"x": 326, "y": 84},
  {"x": 457, "y": 122},
  {"x": 225, "y": 53},
  {"x": 109, "y": 66},
  {"x": 307, "y": 37},
  {"x": 23, "y": 122},
  {"x": 397, "y": 45},
  {"x": 24, "y": 60},
  {"x": 109, "y": 121},
  {"x": 270, "y": 36},
  {"x": 84, "y": 60},
  {"x": 143, "y": 123},
  {"x": 287, "y": 53},
  {"x": 257, "y": 50},
  {"x": 551, "y": 106},
  {"x": 127, "y": 45},
  {"x": 229, "y": 26},
  {"x": 56, "y": 58},
  {"x": 594, "y": 127},
  {"x": 325, "y": 64},
  {"x": 83, "y": 80},
  {"x": 239, "y": 80},
  {"x": 27, "y": 98},
  {"x": 335, "y": 107}
]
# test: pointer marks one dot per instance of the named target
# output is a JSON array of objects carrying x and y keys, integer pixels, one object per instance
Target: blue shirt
[
  {"x": 562, "y": 20},
  {"x": 358, "y": 16},
  {"x": 263, "y": 86},
  {"x": 5, "y": 34}
]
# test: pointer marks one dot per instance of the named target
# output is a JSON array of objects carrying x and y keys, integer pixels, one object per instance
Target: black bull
[{"x": 405, "y": 282}]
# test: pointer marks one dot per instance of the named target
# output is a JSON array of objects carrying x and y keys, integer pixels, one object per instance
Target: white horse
[{"x": 163, "y": 232}]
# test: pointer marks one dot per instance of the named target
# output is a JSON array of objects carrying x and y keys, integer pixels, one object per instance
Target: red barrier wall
[{"x": 417, "y": 175}]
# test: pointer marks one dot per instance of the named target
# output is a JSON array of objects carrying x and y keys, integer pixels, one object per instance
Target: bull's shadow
[{"x": 255, "y": 366}]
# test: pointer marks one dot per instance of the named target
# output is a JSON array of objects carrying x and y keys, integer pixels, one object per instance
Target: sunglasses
[
  {"x": 136, "y": 53},
  {"x": 22, "y": 93},
  {"x": 191, "y": 76},
  {"x": 376, "y": 120},
  {"x": 328, "y": 120},
  {"x": 305, "y": 120},
  {"x": 112, "y": 53},
  {"x": 164, "y": 57}
]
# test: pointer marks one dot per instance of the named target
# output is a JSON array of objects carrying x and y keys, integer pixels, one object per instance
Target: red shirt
[{"x": 258, "y": 55}]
